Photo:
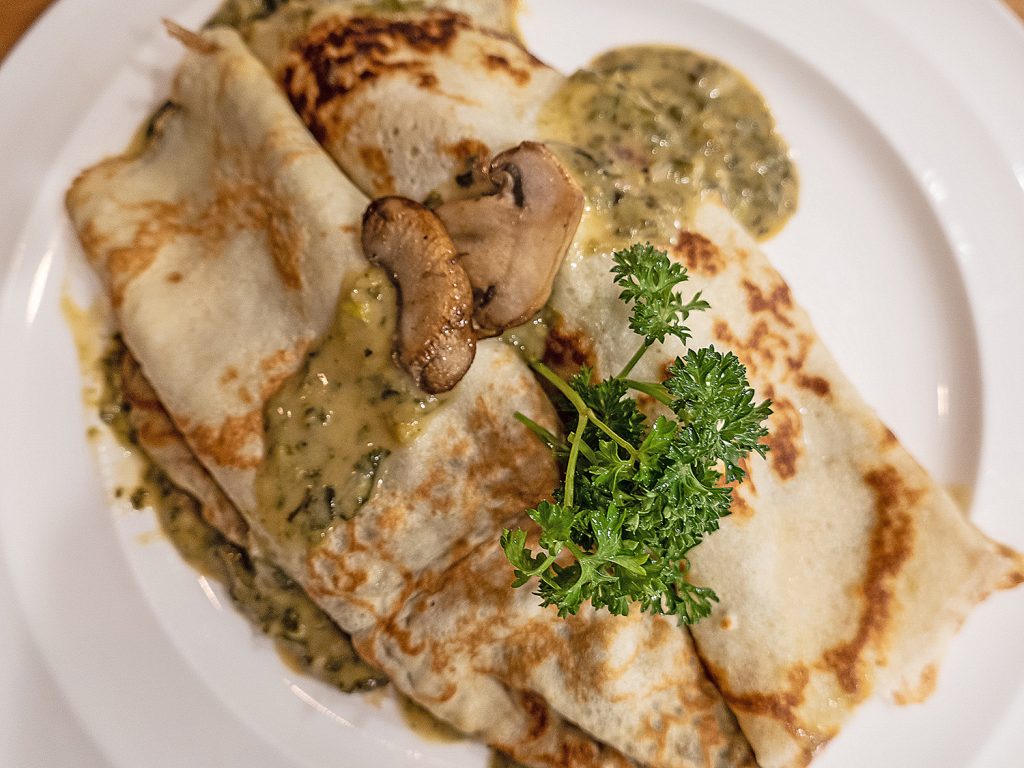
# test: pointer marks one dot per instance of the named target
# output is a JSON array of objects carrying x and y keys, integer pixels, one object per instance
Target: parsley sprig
[{"x": 638, "y": 494}]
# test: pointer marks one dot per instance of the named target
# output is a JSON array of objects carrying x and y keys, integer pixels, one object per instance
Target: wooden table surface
[{"x": 17, "y": 15}]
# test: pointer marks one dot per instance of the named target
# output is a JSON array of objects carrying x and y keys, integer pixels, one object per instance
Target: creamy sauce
[
  {"x": 88, "y": 326},
  {"x": 305, "y": 636},
  {"x": 650, "y": 131},
  {"x": 529, "y": 339},
  {"x": 425, "y": 724},
  {"x": 333, "y": 424},
  {"x": 501, "y": 760}
]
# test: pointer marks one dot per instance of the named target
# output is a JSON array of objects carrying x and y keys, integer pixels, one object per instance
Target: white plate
[{"x": 906, "y": 250}]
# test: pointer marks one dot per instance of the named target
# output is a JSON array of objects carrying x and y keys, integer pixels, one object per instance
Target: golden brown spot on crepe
[
  {"x": 739, "y": 508},
  {"x": 778, "y": 301},
  {"x": 567, "y": 349},
  {"x": 497, "y": 63},
  {"x": 399, "y": 632},
  {"x": 498, "y": 450},
  {"x": 890, "y": 545},
  {"x": 698, "y": 254},
  {"x": 590, "y": 639},
  {"x": 246, "y": 396},
  {"x": 242, "y": 202},
  {"x": 761, "y": 347},
  {"x": 93, "y": 241},
  {"x": 785, "y": 435},
  {"x": 780, "y": 706},
  {"x": 279, "y": 366},
  {"x": 467, "y": 151},
  {"x": 377, "y": 163},
  {"x": 230, "y": 374},
  {"x": 921, "y": 689},
  {"x": 537, "y": 712},
  {"x": 124, "y": 264},
  {"x": 1016, "y": 576},
  {"x": 227, "y": 444},
  {"x": 340, "y": 55},
  {"x": 280, "y": 142},
  {"x": 765, "y": 346},
  {"x": 816, "y": 384},
  {"x": 572, "y": 749},
  {"x": 330, "y": 574}
]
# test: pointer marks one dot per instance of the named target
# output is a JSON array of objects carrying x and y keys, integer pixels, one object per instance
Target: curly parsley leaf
[
  {"x": 715, "y": 402},
  {"x": 649, "y": 280},
  {"x": 637, "y": 494}
]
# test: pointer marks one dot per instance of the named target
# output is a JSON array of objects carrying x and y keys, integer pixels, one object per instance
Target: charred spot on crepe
[
  {"x": 699, "y": 254},
  {"x": 339, "y": 55}
]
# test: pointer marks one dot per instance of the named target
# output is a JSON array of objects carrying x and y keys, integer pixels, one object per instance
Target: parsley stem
[
  {"x": 612, "y": 434},
  {"x": 574, "y": 452},
  {"x": 635, "y": 358},
  {"x": 657, "y": 391},
  {"x": 560, "y": 384},
  {"x": 581, "y": 407},
  {"x": 545, "y": 435}
]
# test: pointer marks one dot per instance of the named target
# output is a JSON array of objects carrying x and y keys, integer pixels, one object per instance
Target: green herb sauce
[
  {"x": 305, "y": 636},
  {"x": 649, "y": 131},
  {"x": 332, "y": 425}
]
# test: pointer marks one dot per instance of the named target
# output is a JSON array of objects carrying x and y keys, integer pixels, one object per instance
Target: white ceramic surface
[{"x": 906, "y": 250}]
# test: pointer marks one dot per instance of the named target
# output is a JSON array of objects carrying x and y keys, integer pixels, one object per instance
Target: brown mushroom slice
[
  {"x": 512, "y": 242},
  {"x": 436, "y": 342}
]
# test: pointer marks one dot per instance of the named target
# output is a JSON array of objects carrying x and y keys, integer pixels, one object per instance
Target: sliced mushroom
[
  {"x": 512, "y": 241},
  {"x": 436, "y": 342}
]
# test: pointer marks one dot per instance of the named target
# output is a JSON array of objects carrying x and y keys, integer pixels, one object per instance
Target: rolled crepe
[
  {"x": 223, "y": 243},
  {"x": 389, "y": 95},
  {"x": 633, "y": 681},
  {"x": 165, "y": 447},
  {"x": 844, "y": 568}
]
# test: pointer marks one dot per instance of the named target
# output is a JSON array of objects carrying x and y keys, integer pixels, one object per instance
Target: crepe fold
[
  {"x": 844, "y": 568},
  {"x": 222, "y": 242}
]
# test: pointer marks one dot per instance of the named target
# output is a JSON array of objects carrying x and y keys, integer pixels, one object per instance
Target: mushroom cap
[
  {"x": 436, "y": 342},
  {"x": 512, "y": 242}
]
